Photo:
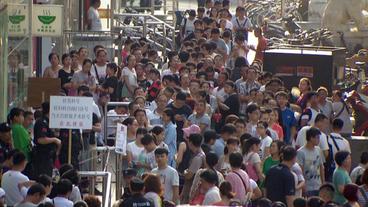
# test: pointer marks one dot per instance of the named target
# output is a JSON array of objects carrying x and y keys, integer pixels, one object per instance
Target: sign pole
[{"x": 70, "y": 147}]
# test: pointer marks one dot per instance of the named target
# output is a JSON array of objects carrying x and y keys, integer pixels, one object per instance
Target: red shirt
[
  {"x": 278, "y": 129},
  {"x": 261, "y": 47}
]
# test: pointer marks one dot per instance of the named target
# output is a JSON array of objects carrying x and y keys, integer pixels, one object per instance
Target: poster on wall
[
  {"x": 282, "y": 71},
  {"x": 304, "y": 71},
  {"x": 17, "y": 20}
]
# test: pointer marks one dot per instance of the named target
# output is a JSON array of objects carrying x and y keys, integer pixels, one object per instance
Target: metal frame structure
[{"x": 106, "y": 198}]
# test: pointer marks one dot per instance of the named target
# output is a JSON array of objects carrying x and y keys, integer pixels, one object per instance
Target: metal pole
[
  {"x": 145, "y": 26},
  {"x": 153, "y": 7},
  {"x": 30, "y": 41},
  {"x": 282, "y": 8}
]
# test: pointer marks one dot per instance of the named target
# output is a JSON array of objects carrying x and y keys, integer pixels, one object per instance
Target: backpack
[{"x": 330, "y": 164}]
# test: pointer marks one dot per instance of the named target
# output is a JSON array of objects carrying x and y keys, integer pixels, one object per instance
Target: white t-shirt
[
  {"x": 344, "y": 116},
  {"x": 62, "y": 202},
  {"x": 132, "y": 76},
  {"x": 169, "y": 178},
  {"x": 265, "y": 142},
  {"x": 189, "y": 26},
  {"x": 135, "y": 150},
  {"x": 298, "y": 175},
  {"x": 75, "y": 196},
  {"x": 212, "y": 196},
  {"x": 152, "y": 196},
  {"x": 9, "y": 183},
  {"x": 101, "y": 71},
  {"x": 341, "y": 142},
  {"x": 94, "y": 16},
  {"x": 301, "y": 138},
  {"x": 312, "y": 117}
]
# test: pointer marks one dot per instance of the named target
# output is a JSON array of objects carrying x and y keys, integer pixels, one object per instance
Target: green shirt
[
  {"x": 268, "y": 163},
  {"x": 340, "y": 177},
  {"x": 21, "y": 139}
]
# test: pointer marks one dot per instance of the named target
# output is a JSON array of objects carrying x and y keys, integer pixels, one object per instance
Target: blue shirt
[
  {"x": 170, "y": 140},
  {"x": 219, "y": 147},
  {"x": 288, "y": 121}
]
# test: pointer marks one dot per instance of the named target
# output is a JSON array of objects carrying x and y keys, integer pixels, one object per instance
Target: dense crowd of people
[{"x": 204, "y": 128}]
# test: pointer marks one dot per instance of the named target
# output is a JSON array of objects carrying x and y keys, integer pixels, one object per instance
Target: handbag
[{"x": 250, "y": 169}]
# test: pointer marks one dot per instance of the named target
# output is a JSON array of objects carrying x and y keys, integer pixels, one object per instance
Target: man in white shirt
[
  {"x": 65, "y": 188},
  {"x": 169, "y": 176},
  {"x": 94, "y": 21},
  {"x": 241, "y": 24},
  {"x": 187, "y": 25},
  {"x": 335, "y": 139},
  {"x": 358, "y": 171},
  {"x": 14, "y": 181},
  {"x": 321, "y": 122}
]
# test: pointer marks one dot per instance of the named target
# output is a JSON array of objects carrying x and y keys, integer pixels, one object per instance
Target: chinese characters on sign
[
  {"x": 121, "y": 139},
  {"x": 47, "y": 20},
  {"x": 18, "y": 20},
  {"x": 71, "y": 112}
]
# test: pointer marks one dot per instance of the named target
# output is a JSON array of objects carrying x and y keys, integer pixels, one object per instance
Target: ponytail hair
[{"x": 226, "y": 190}]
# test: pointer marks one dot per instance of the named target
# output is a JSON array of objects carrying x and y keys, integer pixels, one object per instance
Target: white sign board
[
  {"x": 47, "y": 20},
  {"x": 121, "y": 139},
  {"x": 18, "y": 20},
  {"x": 68, "y": 112}
]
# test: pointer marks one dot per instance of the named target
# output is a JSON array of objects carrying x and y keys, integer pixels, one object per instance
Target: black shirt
[
  {"x": 65, "y": 77},
  {"x": 234, "y": 105},
  {"x": 41, "y": 130},
  {"x": 279, "y": 183},
  {"x": 112, "y": 82},
  {"x": 136, "y": 200},
  {"x": 185, "y": 111}
]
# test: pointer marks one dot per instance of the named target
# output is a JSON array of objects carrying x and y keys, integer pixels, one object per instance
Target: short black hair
[
  {"x": 312, "y": 132},
  {"x": 327, "y": 186},
  {"x": 264, "y": 202},
  {"x": 320, "y": 117},
  {"x": 181, "y": 96},
  {"x": 337, "y": 124},
  {"x": 251, "y": 108},
  {"x": 228, "y": 128},
  {"x": 209, "y": 176},
  {"x": 315, "y": 201},
  {"x": 288, "y": 153},
  {"x": 236, "y": 160},
  {"x": 45, "y": 107},
  {"x": 142, "y": 130},
  {"x": 147, "y": 139},
  {"x": 72, "y": 175},
  {"x": 161, "y": 150},
  {"x": 196, "y": 139},
  {"x": 15, "y": 112},
  {"x": 64, "y": 186},
  {"x": 45, "y": 180},
  {"x": 36, "y": 188},
  {"x": 18, "y": 158},
  {"x": 65, "y": 167},
  {"x": 82, "y": 88},
  {"x": 136, "y": 185},
  {"x": 209, "y": 135},
  {"x": 300, "y": 202},
  {"x": 364, "y": 158}
]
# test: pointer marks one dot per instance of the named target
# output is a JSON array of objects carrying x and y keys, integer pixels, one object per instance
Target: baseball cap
[
  {"x": 192, "y": 129},
  {"x": 5, "y": 127},
  {"x": 129, "y": 172}
]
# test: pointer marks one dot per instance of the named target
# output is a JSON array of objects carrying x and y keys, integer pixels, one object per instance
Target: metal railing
[
  {"x": 106, "y": 198},
  {"x": 160, "y": 33}
]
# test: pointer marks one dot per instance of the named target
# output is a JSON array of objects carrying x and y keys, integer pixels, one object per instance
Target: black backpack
[{"x": 330, "y": 164}]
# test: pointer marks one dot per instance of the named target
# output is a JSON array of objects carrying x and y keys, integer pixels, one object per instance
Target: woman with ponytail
[
  {"x": 196, "y": 194},
  {"x": 226, "y": 193}
]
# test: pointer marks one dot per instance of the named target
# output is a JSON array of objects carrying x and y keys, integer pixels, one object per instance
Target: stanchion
[{"x": 70, "y": 147}]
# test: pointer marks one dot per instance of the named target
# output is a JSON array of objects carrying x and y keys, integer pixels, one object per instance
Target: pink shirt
[{"x": 237, "y": 183}]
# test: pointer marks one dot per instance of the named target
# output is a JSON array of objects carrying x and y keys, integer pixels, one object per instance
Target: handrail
[
  {"x": 159, "y": 21},
  {"x": 107, "y": 189}
]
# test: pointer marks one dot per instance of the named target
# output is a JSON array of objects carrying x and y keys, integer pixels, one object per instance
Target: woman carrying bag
[{"x": 128, "y": 81}]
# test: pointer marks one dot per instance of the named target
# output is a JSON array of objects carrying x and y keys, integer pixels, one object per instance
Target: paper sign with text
[
  {"x": 68, "y": 112},
  {"x": 121, "y": 139}
]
